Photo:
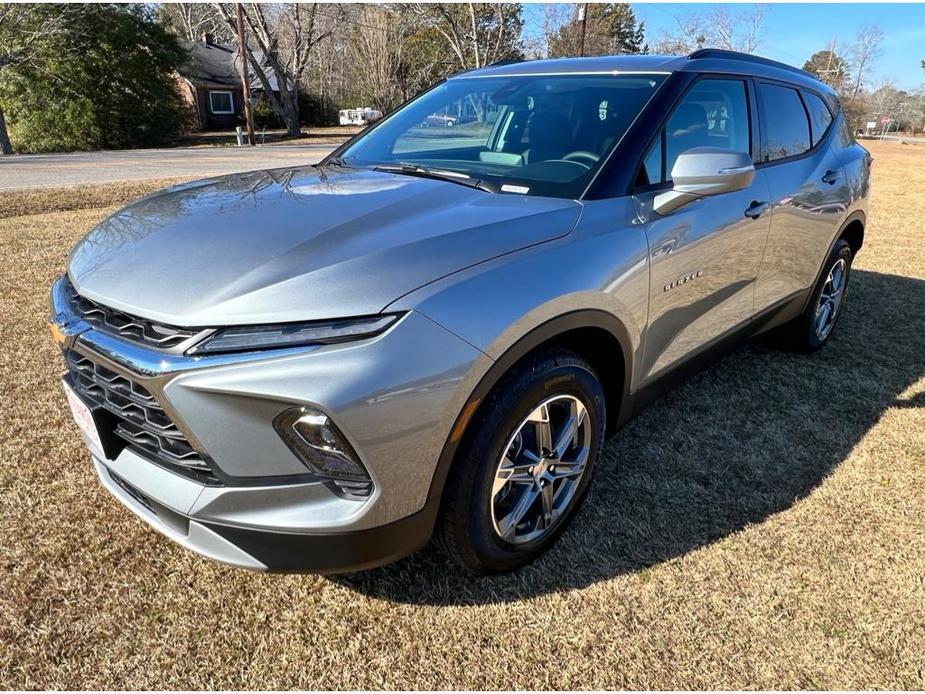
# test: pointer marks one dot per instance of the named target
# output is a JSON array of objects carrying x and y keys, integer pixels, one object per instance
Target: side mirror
[{"x": 703, "y": 171}]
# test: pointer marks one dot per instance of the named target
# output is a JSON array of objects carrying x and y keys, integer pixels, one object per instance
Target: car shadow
[{"x": 741, "y": 441}]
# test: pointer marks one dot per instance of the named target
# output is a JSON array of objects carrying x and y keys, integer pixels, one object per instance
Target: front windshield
[{"x": 530, "y": 134}]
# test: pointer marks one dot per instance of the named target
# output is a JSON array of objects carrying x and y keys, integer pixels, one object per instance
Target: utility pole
[
  {"x": 834, "y": 81},
  {"x": 245, "y": 78},
  {"x": 582, "y": 19}
]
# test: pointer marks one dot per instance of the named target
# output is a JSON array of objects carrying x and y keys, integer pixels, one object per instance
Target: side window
[
  {"x": 819, "y": 116},
  {"x": 785, "y": 128},
  {"x": 714, "y": 113}
]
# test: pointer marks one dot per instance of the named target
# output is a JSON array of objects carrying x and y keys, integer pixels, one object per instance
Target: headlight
[
  {"x": 254, "y": 337},
  {"x": 320, "y": 445}
]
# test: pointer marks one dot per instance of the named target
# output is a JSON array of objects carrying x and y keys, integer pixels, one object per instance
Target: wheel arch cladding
[
  {"x": 597, "y": 336},
  {"x": 853, "y": 233}
]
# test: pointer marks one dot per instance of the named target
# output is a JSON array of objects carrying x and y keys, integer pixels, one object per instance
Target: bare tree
[
  {"x": 477, "y": 34},
  {"x": 190, "y": 20},
  {"x": 884, "y": 96},
  {"x": 865, "y": 50},
  {"x": 377, "y": 54},
  {"x": 888, "y": 100},
  {"x": 688, "y": 35},
  {"x": 285, "y": 34},
  {"x": 555, "y": 16},
  {"x": 329, "y": 62},
  {"x": 741, "y": 30}
]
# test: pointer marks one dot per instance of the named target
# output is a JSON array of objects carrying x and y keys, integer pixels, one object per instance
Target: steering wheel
[
  {"x": 567, "y": 161},
  {"x": 582, "y": 154}
]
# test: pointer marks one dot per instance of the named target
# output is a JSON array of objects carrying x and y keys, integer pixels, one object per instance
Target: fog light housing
[{"x": 320, "y": 445}]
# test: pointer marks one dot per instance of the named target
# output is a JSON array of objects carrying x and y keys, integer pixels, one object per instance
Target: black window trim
[
  {"x": 754, "y": 120},
  {"x": 662, "y": 184},
  {"x": 750, "y": 105},
  {"x": 799, "y": 89}
]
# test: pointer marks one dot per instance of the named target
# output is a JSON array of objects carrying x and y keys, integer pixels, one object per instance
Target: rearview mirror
[{"x": 703, "y": 171}]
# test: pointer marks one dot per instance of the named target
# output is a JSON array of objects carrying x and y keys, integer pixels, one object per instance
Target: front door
[{"x": 703, "y": 257}]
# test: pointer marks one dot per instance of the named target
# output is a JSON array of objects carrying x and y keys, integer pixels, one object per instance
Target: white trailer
[{"x": 359, "y": 116}]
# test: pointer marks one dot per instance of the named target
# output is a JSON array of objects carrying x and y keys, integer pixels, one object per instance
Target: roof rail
[
  {"x": 497, "y": 63},
  {"x": 746, "y": 57}
]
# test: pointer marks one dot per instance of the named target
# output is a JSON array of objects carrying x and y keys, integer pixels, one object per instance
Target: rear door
[
  {"x": 809, "y": 189},
  {"x": 703, "y": 257}
]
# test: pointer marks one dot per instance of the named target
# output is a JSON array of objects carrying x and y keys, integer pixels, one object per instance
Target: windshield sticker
[{"x": 506, "y": 188}]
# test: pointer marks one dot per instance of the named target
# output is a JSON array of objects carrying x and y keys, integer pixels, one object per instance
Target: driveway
[{"x": 47, "y": 170}]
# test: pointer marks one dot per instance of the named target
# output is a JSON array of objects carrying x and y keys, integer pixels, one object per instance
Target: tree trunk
[
  {"x": 5, "y": 146},
  {"x": 291, "y": 107}
]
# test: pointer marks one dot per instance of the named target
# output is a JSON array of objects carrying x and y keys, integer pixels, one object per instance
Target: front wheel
[{"x": 525, "y": 464}]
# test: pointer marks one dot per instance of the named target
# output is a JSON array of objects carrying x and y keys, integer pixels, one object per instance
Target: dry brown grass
[
  {"x": 29, "y": 201},
  {"x": 762, "y": 527}
]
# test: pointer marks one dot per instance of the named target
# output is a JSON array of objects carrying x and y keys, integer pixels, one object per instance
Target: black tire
[
  {"x": 800, "y": 334},
  {"x": 465, "y": 530}
]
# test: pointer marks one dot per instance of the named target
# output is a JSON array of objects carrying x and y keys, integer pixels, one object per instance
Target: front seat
[{"x": 550, "y": 137}]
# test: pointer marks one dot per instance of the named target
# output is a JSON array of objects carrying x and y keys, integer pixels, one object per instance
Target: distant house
[{"x": 211, "y": 82}]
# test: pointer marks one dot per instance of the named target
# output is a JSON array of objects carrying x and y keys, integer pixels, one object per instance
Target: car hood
[{"x": 299, "y": 244}]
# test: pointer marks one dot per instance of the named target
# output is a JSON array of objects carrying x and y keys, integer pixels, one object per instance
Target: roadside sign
[
  {"x": 885, "y": 120},
  {"x": 871, "y": 124}
]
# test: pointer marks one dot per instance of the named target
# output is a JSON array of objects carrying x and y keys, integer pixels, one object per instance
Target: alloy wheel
[
  {"x": 831, "y": 299},
  {"x": 540, "y": 470}
]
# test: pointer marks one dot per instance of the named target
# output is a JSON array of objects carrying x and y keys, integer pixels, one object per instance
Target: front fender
[{"x": 597, "y": 277}]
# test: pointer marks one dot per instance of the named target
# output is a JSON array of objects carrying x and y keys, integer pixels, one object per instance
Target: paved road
[
  {"x": 913, "y": 140},
  {"x": 47, "y": 170}
]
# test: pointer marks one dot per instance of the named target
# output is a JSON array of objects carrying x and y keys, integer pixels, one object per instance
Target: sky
[{"x": 793, "y": 32}]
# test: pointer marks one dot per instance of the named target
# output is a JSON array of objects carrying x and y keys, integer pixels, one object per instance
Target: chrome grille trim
[
  {"x": 142, "y": 331},
  {"x": 141, "y": 421}
]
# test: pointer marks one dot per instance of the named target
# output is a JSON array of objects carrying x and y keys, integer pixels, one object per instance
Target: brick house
[{"x": 211, "y": 83}]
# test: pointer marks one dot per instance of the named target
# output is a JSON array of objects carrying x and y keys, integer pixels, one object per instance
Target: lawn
[{"x": 761, "y": 527}]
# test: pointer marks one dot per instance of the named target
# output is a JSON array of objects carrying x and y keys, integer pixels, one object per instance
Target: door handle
[
  {"x": 756, "y": 209},
  {"x": 830, "y": 177}
]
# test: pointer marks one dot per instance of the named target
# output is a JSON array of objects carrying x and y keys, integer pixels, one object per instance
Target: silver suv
[{"x": 432, "y": 332}]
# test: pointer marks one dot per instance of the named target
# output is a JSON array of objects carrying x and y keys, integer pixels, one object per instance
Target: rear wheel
[
  {"x": 525, "y": 464},
  {"x": 811, "y": 330}
]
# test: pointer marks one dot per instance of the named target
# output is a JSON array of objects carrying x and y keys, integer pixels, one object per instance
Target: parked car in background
[
  {"x": 321, "y": 368},
  {"x": 439, "y": 120}
]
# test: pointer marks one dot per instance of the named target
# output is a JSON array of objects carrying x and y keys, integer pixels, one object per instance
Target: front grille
[
  {"x": 139, "y": 419},
  {"x": 128, "y": 327}
]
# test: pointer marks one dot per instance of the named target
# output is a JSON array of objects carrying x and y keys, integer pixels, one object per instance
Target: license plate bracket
[{"x": 95, "y": 422}]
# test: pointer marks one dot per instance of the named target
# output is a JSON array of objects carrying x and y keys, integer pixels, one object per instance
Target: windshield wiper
[
  {"x": 437, "y": 174},
  {"x": 336, "y": 161}
]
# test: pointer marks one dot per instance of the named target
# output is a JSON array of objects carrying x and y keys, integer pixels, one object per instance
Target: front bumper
[
  {"x": 261, "y": 550},
  {"x": 395, "y": 397}
]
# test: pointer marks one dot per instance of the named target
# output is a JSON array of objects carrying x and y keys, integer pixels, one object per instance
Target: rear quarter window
[
  {"x": 785, "y": 129},
  {"x": 820, "y": 118}
]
